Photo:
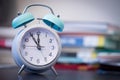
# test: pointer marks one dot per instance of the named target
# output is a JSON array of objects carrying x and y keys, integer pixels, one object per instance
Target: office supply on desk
[{"x": 36, "y": 48}]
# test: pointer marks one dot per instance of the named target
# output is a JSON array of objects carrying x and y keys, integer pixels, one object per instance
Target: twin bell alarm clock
[{"x": 36, "y": 48}]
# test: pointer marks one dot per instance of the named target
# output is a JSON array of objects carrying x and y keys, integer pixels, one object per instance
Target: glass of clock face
[{"x": 39, "y": 46}]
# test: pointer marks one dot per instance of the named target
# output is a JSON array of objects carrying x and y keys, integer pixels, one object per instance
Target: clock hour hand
[{"x": 38, "y": 39}]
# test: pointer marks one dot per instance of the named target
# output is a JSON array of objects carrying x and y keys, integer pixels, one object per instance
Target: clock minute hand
[{"x": 33, "y": 38}]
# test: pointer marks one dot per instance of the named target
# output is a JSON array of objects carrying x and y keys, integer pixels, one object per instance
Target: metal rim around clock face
[{"x": 39, "y": 47}]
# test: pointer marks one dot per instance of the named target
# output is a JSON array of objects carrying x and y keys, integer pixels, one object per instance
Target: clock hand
[
  {"x": 45, "y": 58},
  {"x": 36, "y": 46},
  {"x": 33, "y": 38},
  {"x": 38, "y": 39}
]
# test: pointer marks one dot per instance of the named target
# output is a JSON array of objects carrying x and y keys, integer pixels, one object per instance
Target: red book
[
  {"x": 5, "y": 43},
  {"x": 76, "y": 66}
]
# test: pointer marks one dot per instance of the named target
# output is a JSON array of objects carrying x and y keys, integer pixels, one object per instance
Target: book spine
[
  {"x": 87, "y": 41},
  {"x": 76, "y": 66},
  {"x": 72, "y": 41},
  {"x": 5, "y": 43},
  {"x": 78, "y": 59}
]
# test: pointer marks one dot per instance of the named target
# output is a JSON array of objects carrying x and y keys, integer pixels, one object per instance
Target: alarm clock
[{"x": 36, "y": 48}]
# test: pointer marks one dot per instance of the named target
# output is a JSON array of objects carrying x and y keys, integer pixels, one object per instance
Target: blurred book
[
  {"x": 89, "y": 41},
  {"x": 82, "y": 66},
  {"x": 5, "y": 43},
  {"x": 8, "y": 32},
  {"x": 81, "y": 41},
  {"x": 91, "y": 27},
  {"x": 83, "y": 55},
  {"x": 107, "y": 55}
]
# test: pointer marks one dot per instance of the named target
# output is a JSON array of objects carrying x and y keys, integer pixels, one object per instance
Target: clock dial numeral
[
  {"x": 31, "y": 58},
  {"x": 26, "y": 53},
  {"x": 26, "y": 40},
  {"x": 52, "y": 47},
  {"x": 45, "y": 58},
  {"x": 45, "y": 34},
  {"x": 38, "y": 33},
  {"x": 24, "y": 46},
  {"x": 50, "y": 41},
  {"x": 38, "y": 61},
  {"x": 50, "y": 54}
]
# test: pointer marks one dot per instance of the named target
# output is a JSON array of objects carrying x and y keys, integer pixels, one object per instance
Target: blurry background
[
  {"x": 72, "y": 10},
  {"x": 7, "y": 11},
  {"x": 91, "y": 33}
]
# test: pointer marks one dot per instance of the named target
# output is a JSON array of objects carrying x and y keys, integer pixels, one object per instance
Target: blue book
[
  {"x": 68, "y": 41},
  {"x": 70, "y": 60}
]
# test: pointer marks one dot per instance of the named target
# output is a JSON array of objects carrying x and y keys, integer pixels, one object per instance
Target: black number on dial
[
  {"x": 26, "y": 53},
  {"x": 50, "y": 54},
  {"x": 46, "y": 35},
  {"x": 24, "y": 46},
  {"x": 45, "y": 59},
  {"x": 38, "y": 61},
  {"x": 52, "y": 47},
  {"x": 31, "y": 58},
  {"x": 50, "y": 41},
  {"x": 26, "y": 39}
]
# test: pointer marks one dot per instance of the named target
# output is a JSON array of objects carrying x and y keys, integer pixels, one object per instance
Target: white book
[{"x": 92, "y": 27}]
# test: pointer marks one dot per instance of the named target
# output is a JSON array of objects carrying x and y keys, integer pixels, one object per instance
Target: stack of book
[{"x": 84, "y": 43}]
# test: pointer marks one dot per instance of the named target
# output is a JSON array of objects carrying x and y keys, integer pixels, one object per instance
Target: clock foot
[
  {"x": 21, "y": 69},
  {"x": 54, "y": 71}
]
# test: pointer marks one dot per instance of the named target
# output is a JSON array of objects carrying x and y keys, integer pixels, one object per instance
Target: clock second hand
[
  {"x": 39, "y": 46},
  {"x": 43, "y": 55}
]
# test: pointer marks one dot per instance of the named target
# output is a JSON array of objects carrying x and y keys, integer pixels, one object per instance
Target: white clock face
[{"x": 39, "y": 46}]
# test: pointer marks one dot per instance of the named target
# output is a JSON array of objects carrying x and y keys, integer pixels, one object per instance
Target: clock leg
[
  {"x": 21, "y": 69},
  {"x": 54, "y": 71}
]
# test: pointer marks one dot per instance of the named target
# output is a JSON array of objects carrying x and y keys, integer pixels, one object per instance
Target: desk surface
[{"x": 11, "y": 74}]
